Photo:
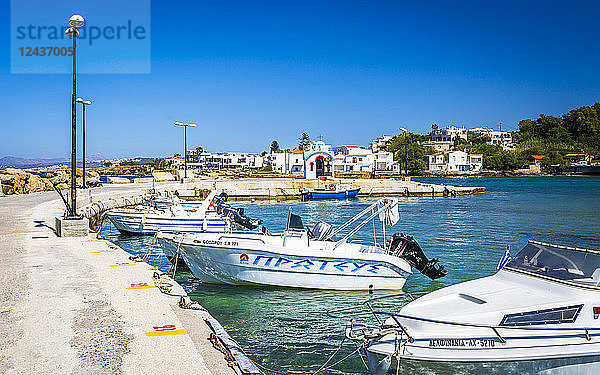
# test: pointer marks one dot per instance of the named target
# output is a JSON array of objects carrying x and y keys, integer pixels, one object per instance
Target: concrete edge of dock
[{"x": 82, "y": 305}]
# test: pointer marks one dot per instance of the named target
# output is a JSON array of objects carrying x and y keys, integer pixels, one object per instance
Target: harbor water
[{"x": 288, "y": 329}]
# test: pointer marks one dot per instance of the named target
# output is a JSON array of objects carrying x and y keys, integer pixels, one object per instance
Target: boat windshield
[{"x": 566, "y": 264}]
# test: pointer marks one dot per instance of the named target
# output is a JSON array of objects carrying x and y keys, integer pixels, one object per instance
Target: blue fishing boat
[{"x": 331, "y": 191}]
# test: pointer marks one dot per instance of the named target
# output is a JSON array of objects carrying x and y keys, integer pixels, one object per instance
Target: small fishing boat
[
  {"x": 331, "y": 191},
  {"x": 213, "y": 215},
  {"x": 542, "y": 307},
  {"x": 168, "y": 199},
  {"x": 304, "y": 258}
]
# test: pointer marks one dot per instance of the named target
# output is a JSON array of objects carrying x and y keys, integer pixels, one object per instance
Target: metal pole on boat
[
  {"x": 76, "y": 21},
  {"x": 85, "y": 103},
  {"x": 185, "y": 126}
]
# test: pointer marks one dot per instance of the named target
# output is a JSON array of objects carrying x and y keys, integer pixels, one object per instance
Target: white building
[
  {"x": 228, "y": 160},
  {"x": 499, "y": 138},
  {"x": 358, "y": 159},
  {"x": 381, "y": 143},
  {"x": 455, "y": 161},
  {"x": 448, "y": 134}
]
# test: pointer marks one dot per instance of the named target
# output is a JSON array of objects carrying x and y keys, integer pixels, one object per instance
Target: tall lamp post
[
  {"x": 76, "y": 21},
  {"x": 405, "y": 141},
  {"x": 84, "y": 103},
  {"x": 185, "y": 126}
]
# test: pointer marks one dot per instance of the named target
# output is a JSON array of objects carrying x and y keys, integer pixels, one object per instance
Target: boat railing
[
  {"x": 335, "y": 313},
  {"x": 375, "y": 210}
]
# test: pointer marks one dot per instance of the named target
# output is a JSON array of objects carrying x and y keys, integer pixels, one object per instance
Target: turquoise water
[{"x": 288, "y": 330}]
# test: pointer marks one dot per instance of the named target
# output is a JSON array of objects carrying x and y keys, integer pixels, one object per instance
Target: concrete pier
[
  {"x": 81, "y": 306},
  {"x": 289, "y": 188}
]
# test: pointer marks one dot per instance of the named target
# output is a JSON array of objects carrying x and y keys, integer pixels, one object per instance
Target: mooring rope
[{"x": 323, "y": 367}]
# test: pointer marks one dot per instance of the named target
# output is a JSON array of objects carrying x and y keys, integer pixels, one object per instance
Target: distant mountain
[{"x": 15, "y": 162}]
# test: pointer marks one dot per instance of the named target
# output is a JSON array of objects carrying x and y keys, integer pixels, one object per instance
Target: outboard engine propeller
[{"x": 406, "y": 247}]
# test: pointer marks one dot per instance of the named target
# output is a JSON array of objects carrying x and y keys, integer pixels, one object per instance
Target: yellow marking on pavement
[
  {"x": 141, "y": 287},
  {"x": 21, "y": 231},
  {"x": 102, "y": 251},
  {"x": 122, "y": 265},
  {"x": 90, "y": 240},
  {"x": 167, "y": 333}
]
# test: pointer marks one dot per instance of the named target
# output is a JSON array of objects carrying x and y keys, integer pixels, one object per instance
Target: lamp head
[
  {"x": 79, "y": 100},
  {"x": 178, "y": 123},
  {"x": 87, "y": 102},
  {"x": 76, "y": 21},
  {"x": 70, "y": 31},
  {"x": 191, "y": 125},
  {"x": 404, "y": 130}
]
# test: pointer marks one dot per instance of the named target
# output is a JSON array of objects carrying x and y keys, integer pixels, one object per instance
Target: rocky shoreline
[{"x": 17, "y": 181}]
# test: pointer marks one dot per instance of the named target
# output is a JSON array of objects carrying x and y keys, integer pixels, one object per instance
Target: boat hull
[
  {"x": 472, "y": 345},
  {"x": 260, "y": 267},
  {"x": 142, "y": 224},
  {"x": 319, "y": 195}
]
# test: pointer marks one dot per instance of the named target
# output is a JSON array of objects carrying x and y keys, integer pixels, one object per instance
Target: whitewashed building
[
  {"x": 228, "y": 160},
  {"x": 357, "y": 159},
  {"x": 381, "y": 143},
  {"x": 497, "y": 137},
  {"x": 455, "y": 161},
  {"x": 448, "y": 134}
]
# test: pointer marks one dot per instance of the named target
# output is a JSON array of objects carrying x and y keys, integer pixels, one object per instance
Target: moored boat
[
  {"x": 213, "y": 215},
  {"x": 305, "y": 258},
  {"x": 331, "y": 191},
  {"x": 541, "y": 308}
]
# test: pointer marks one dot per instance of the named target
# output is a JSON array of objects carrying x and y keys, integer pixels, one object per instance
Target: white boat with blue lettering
[
  {"x": 540, "y": 313},
  {"x": 213, "y": 215},
  {"x": 305, "y": 258}
]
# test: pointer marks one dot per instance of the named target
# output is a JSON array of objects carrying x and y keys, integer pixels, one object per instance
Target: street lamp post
[
  {"x": 76, "y": 21},
  {"x": 84, "y": 103},
  {"x": 405, "y": 156},
  {"x": 185, "y": 126}
]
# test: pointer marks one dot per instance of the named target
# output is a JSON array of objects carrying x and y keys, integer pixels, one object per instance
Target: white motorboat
[
  {"x": 213, "y": 215},
  {"x": 168, "y": 199},
  {"x": 303, "y": 258},
  {"x": 542, "y": 307}
]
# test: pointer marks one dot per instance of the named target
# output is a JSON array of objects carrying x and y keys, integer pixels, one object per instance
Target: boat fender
[{"x": 378, "y": 367}]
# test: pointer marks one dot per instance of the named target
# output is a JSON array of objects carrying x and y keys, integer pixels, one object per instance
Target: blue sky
[{"x": 250, "y": 72}]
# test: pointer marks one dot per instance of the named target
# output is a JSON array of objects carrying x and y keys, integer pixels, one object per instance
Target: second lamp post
[
  {"x": 185, "y": 126},
  {"x": 85, "y": 103}
]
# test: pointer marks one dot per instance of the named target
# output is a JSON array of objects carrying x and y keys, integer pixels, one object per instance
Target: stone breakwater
[{"x": 17, "y": 181}]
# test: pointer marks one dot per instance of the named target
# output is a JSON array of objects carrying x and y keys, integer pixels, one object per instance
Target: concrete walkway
[{"x": 81, "y": 306}]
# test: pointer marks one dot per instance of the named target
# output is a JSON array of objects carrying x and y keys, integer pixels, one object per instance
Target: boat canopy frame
[{"x": 382, "y": 206}]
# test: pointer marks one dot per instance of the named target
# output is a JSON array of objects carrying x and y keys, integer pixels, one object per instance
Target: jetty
[
  {"x": 289, "y": 188},
  {"x": 83, "y": 305}
]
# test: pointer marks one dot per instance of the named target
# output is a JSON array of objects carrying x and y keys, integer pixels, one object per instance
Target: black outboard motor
[
  {"x": 237, "y": 214},
  {"x": 406, "y": 247}
]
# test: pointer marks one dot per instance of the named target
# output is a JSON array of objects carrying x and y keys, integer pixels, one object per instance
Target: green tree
[
  {"x": 553, "y": 161},
  {"x": 159, "y": 164},
  {"x": 409, "y": 152},
  {"x": 274, "y": 147},
  {"x": 303, "y": 142}
]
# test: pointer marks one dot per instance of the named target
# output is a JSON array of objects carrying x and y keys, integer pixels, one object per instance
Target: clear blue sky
[{"x": 249, "y": 72}]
